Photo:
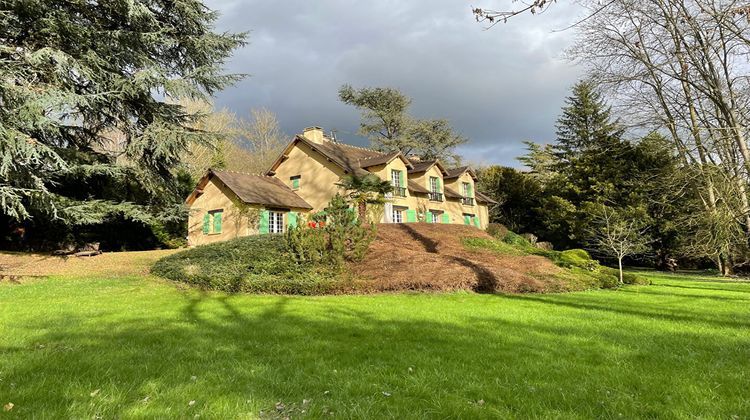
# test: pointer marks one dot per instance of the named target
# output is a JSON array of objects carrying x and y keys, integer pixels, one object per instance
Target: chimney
[{"x": 314, "y": 134}]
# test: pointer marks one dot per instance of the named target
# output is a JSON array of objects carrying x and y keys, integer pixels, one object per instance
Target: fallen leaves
[
  {"x": 94, "y": 393},
  {"x": 8, "y": 407}
]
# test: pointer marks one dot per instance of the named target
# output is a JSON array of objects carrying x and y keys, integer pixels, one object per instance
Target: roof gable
[
  {"x": 424, "y": 166},
  {"x": 457, "y": 172},
  {"x": 253, "y": 189},
  {"x": 351, "y": 159}
]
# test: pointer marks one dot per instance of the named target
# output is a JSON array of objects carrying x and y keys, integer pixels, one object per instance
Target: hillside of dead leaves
[{"x": 432, "y": 257}]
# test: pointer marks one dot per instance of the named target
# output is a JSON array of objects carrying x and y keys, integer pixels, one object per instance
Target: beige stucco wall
[
  {"x": 318, "y": 175},
  {"x": 235, "y": 221},
  {"x": 216, "y": 196}
]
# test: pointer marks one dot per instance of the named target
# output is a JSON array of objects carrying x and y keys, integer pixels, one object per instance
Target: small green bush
[
  {"x": 343, "y": 238},
  {"x": 576, "y": 258},
  {"x": 627, "y": 278},
  {"x": 497, "y": 230},
  {"x": 515, "y": 239}
]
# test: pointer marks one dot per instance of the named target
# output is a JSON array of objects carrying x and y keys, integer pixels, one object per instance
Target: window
[
  {"x": 398, "y": 215},
  {"x": 212, "y": 222},
  {"x": 434, "y": 216},
  {"x": 295, "y": 181},
  {"x": 434, "y": 184},
  {"x": 397, "y": 182},
  {"x": 275, "y": 222},
  {"x": 467, "y": 189},
  {"x": 395, "y": 178},
  {"x": 435, "y": 187}
]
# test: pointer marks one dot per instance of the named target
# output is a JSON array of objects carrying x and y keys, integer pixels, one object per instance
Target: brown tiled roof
[
  {"x": 456, "y": 172},
  {"x": 482, "y": 198},
  {"x": 260, "y": 189},
  {"x": 415, "y": 187},
  {"x": 424, "y": 165},
  {"x": 351, "y": 159},
  {"x": 379, "y": 160},
  {"x": 452, "y": 194}
]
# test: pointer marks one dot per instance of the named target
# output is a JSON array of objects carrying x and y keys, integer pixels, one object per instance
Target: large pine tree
[
  {"x": 89, "y": 120},
  {"x": 585, "y": 124}
]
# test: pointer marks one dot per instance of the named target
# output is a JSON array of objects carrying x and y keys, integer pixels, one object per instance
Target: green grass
[{"x": 141, "y": 347}]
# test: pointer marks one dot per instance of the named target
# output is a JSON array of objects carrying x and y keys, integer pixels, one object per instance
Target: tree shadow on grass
[
  {"x": 247, "y": 353},
  {"x": 718, "y": 297},
  {"x": 591, "y": 303},
  {"x": 738, "y": 287}
]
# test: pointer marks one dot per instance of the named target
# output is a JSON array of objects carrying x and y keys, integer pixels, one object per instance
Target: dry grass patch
[{"x": 108, "y": 264}]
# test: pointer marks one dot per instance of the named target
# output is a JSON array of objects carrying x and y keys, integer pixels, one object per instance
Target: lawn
[{"x": 141, "y": 347}]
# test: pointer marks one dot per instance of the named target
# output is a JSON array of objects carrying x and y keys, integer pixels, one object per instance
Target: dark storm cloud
[{"x": 497, "y": 87}]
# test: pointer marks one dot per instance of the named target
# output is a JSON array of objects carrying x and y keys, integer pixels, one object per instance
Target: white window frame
[
  {"x": 397, "y": 215},
  {"x": 395, "y": 178},
  {"x": 434, "y": 184},
  {"x": 275, "y": 222},
  {"x": 435, "y": 216}
]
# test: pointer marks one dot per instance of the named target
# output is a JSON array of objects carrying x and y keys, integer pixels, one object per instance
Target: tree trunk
[{"x": 619, "y": 261}]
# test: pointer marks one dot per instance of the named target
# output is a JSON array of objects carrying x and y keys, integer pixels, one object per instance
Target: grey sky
[{"x": 498, "y": 87}]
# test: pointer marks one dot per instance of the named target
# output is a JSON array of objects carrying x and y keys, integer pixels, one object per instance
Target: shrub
[
  {"x": 342, "y": 239},
  {"x": 491, "y": 245},
  {"x": 497, "y": 230},
  {"x": 310, "y": 284},
  {"x": 576, "y": 258},
  {"x": 255, "y": 263},
  {"x": 516, "y": 240},
  {"x": 627, "y": 278}
]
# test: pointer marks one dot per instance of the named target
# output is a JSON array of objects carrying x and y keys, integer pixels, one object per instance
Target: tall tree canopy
[
  {"x": 386, "y": 122},
  {"x": 89, "y": 118}
]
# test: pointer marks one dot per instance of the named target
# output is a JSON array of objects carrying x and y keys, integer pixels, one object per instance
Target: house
[{"x": 304, "y": 178}]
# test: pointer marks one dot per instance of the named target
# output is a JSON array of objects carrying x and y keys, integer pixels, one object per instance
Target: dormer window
[
  {"x": 435, "y": 189},
  {"x": 294, "y": 180},
  {"x": 397, "y": 182},
  {"x": 468, "y": 196}
]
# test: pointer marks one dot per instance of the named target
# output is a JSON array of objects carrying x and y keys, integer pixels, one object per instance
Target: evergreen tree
[
  {"x": 389, "y": 127},
  {"x": 585, "y": 124},
  {"x": 90, "y": 127}
]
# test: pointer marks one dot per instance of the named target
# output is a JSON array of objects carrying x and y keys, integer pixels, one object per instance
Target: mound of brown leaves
[{"x": 420, "y": 256}]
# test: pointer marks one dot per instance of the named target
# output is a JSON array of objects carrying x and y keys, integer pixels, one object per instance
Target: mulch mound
[{"x": 432, "y": 257}]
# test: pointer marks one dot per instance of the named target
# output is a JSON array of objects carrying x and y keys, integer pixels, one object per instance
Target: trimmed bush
[
  {"x": 576, "y": 258},
  {"x": 259, "y": 264}
]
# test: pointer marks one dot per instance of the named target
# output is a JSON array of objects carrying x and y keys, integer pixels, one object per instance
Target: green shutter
[
  {"x": 263, "y": 225},
  {"x": 476, "y": 221},
  {"x": 439, "y": 186},
  {"x": 217, "y": 222},
  {"x": 471, "y": 193},
  {"x": 291, "y": 219},
  {"x": 295, "y": 183},
  {"x": 467, "y": 219},
  {"x": 411, "y": 216},
  {"x": 446, "y": 218},
  {"x": 401, "y": 179},
  {"x": 206, "y": 224},
  {"x": 428, "y": 217}
]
